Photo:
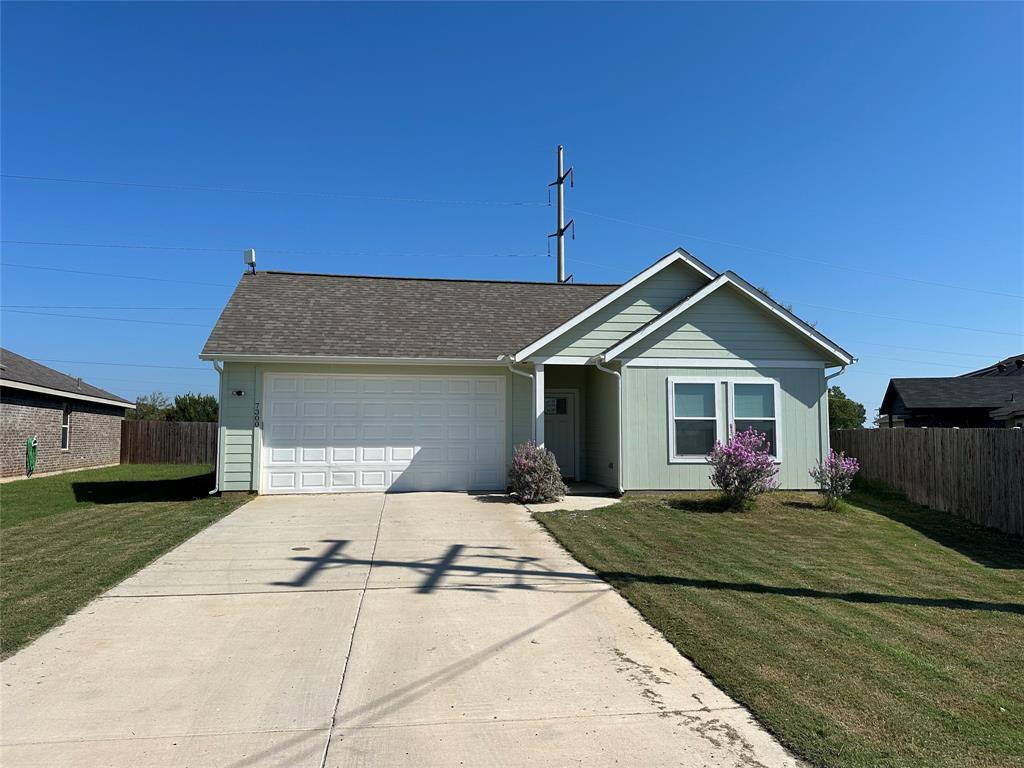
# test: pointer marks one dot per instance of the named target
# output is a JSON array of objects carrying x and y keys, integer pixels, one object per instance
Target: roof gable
[
  {"x": 678, "y": 257},
  {"x": 773, "y": 311}
]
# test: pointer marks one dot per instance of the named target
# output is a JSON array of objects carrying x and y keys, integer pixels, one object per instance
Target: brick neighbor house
[{"x": 75, "y": 424}]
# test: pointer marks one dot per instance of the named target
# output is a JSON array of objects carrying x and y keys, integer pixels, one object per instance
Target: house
[
  {"x": 75, "y": 424},
  {"x": 347, "y": 383},
  {"x": 956, "y": 401}
]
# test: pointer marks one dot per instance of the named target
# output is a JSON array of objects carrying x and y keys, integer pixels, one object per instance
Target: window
[
  {"x": 65, "y": 428},
  {"x": 703, "y": 410},
  {"x": 753, "y": 405},
  {"x": 694, "y": 418}
]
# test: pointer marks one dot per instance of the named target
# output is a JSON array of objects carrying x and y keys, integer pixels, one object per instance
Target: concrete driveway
[{"x": 367, "y": 630}]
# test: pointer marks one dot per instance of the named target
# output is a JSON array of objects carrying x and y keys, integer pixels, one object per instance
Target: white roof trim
[
  {"x": 64, "y": 393},
  {"x": 678, "y": 255},
  {"x": 751, "y": 293},
  {"x": 334, "y": 359}
]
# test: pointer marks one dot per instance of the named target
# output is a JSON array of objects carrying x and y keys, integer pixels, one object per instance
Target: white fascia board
[
  {"x": 784, "y": 314},
  {"x": 664, "y": 317},
  {"x": 333, "y": 360},
  {"x": 678, "y": 255},
  {"x": 64, "y": 394},
  {"x": 751, "y": 293},
  {"x": 717, "y": 362}
]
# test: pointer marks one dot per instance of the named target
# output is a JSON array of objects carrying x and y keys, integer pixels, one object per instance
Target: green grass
[
  {"x": 886, "y": 634},
  {"x": 65, "y": 539}
]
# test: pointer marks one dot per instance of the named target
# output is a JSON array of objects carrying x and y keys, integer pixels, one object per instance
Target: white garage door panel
[{"x": 330, "y": 433}]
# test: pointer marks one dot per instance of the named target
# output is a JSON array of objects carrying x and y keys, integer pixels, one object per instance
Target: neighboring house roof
[
  {"x": 283, "y": 314},
  {"x": 19, "y": 372},
  {"x": 1011, "y": 366},
  {"x": 758, "y": 297},
  {"x": 988, "y": 392}
]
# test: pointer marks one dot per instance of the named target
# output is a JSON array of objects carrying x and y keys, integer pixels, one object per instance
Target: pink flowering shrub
[
  {"x": 535, "y": 476},
  {"x": 743, "y": 468},
  {"x": 834, "y": 477}
]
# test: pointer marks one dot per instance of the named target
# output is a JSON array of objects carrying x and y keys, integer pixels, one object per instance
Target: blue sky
[{"x": 823, "y": 151}]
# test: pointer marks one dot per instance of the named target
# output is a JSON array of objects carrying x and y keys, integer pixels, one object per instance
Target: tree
[
  {"x": 192, "y": 407},
  {"x": 844, "y": 413},
  {"x": 151, "y": 407}
]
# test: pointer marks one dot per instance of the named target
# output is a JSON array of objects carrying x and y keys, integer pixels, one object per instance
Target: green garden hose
[{"x": 30, "y": 456}]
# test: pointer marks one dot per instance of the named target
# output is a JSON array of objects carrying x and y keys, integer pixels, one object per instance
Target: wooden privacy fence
[
  {"x": 977, "y": 474},
  {"x": 168, "y": 442}
]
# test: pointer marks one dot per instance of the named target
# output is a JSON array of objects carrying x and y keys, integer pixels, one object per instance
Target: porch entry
[{"x": 561, "y": 430}]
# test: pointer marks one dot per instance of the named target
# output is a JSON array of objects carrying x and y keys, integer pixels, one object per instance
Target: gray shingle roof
[
  {"x": 1011, "y": 366},
  {"x": 20, "y": 369},
  {"x": 300, "y": 314},
  {"x": 952, "y": 392}
]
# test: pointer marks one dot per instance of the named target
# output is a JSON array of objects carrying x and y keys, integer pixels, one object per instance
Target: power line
[
  {"x": 111, "y": 274},
  {"x": 277, "y": 193},
  {"x": 110, "y": 319},
  {"x": 921, "y": 349},
  {"x": 804, "y": 259},
  {"x": 906, "y": 319},
  {"x": 292, "y": 251},
  {"x": 123, "y": 365},
  {"x": 83, "y": 306},
  {"x": 914, "y": 362}
]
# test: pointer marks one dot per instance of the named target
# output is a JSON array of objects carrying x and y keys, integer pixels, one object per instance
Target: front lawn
[
  {"x": 67, "y": 538},
  {"x": 887, "y": 634}
]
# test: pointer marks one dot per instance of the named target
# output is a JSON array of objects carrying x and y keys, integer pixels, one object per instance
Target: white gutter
[
  {"x": 220, "y": 421},
  {"x": 510, "y": 361},
  {"x": 840, "y": 372},
  {"x": 618, "y": 385}
]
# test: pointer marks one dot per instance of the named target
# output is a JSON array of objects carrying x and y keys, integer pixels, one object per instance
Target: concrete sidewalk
[{"x": 367, "y": 630}]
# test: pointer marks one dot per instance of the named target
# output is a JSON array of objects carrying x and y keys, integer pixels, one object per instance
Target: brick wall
[{"x": 95, "y": 432}]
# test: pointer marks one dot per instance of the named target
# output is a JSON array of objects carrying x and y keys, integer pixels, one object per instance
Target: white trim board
[
  {"x": 717, "y": 362},
  {"x": 728, "y": 278},
  {"x": 677, "y": 256},
  {"x": 64, "y": 394}
]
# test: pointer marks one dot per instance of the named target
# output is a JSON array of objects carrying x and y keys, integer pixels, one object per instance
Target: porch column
[{"x": 538, "y": 404}]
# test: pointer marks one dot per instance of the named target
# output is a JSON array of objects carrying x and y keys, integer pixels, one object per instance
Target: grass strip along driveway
[
  {"x": 887, "y": 634},
  {"x": 68, "y": 538}
]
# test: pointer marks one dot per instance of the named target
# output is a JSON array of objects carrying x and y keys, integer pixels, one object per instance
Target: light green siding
[
  {"x": 236, "y": 428},
  {"x": 601, "y": 416},
  {"x": 241, "y": 440},
  {"x": 726, "y": 325},
  {"x": 627, "y": 313},
  {"x": 803, "y": 431}
]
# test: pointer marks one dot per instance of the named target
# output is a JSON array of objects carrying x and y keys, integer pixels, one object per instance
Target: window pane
[
  {"x": 768, "y": 427},
  {"x": 694, "y": 438},
  {"x": 695, "y": 400},
  {"x": 754, "y": 401}
]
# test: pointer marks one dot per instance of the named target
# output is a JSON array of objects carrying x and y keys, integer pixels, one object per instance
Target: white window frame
[
  {"x": 725, "y": 412},
  {"x": 776, "y": 390},
  {"x": 716, "y": 382},
  {"x": 65, "y": 427}
]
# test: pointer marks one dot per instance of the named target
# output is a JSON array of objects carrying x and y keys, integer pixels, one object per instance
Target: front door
[{"x": 560, "y": 430}]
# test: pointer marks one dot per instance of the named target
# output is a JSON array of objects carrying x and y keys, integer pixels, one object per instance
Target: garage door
[{"x": 328, "y": 433}]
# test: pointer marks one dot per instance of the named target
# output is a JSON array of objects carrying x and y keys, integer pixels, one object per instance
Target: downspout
[
  {"x": 618, "y": 386},
  {"x": 828, "y": 426},
  {"x": 510, "y": 361},
  {"x": 220, "y": 420}
]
